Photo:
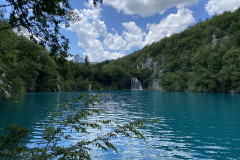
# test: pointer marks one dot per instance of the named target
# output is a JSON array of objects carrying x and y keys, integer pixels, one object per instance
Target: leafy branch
[{"x": 42, "y": 19}]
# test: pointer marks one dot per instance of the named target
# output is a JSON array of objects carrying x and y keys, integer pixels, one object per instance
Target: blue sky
[{"x": 120, "y": 27}]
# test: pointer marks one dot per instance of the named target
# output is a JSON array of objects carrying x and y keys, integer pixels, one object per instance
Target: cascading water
[
  {"x": 136, "y": 84},
  {"x": 59, "y": 79},
  {"x": 59, "y": 88},
  {"x": 90, "y": 86},
  {"x": 7, "y": 94}
]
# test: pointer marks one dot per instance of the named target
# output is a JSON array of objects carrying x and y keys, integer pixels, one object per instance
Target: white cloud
[
  {"x": 97, "y": 53},
  {"x": 173, "y": 23},
  {"x": 114, "y": 42},
  {"x": 21, "y": 31},
  {"x": 89, "y": 30},
  {"x": 219, "y": 6},
  {"x": 100, "y": 45},
  {"x": 147, "y": 8},
  {"x": 133, "y": 35}
]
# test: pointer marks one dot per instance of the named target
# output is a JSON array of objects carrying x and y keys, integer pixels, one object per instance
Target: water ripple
[{"x": 191, "y": 126}]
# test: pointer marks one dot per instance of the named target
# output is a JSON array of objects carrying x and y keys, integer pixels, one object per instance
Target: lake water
[{"x": 192, "y": 125}]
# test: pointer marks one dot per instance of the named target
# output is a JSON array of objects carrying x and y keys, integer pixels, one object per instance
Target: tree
[
  {"x": 86, "y": 60},
  {"x": 77, "y": 58},
  {"x": 42, "y": 19}
]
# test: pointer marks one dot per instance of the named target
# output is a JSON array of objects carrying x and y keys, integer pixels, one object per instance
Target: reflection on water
[{"x": 192, "y": 126}]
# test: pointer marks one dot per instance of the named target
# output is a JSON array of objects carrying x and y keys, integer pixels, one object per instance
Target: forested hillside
[
  {"x": 203, "y": 58},
  {"x": 29, "y": 67},
  {"x": 24, "y": 65}
]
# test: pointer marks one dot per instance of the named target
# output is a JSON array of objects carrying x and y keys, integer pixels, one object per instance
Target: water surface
[{"x": 192, "y": 126}]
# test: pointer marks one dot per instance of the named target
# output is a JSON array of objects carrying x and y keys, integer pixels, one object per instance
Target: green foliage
[
  {"x": 25, "y": 66},
  {"x": 43, "y": 22},
  {"x": 70, "y": 118},
  {"x": 82, "y": 84},
  {"x": 203, "y": 58},
  {"x": 96, "y": 86},
  {"x": 86, "y": 60},
  {"x": 11, "y": 146}
]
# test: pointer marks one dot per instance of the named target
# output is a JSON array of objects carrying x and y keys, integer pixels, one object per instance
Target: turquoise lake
[{"x": 192, "y": 125}]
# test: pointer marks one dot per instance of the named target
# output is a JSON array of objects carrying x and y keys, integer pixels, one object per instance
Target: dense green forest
[
  {"x": 203, "y": 58},
  {"x": 28, "y": 67}
]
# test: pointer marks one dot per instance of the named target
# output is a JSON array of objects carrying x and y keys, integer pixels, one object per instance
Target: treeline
[
  {"x": 29, "y": 67},
  {"x": 24, "y": 65},
  {"x": 203, "y": 58}
]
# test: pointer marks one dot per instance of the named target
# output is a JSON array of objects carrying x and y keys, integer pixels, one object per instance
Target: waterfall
[
  {"x": 136, "y": 84},
  {"x": 7, "y": 94},
  {"x": 59, "y": 88},
  {"x": 90, "y": 86}
]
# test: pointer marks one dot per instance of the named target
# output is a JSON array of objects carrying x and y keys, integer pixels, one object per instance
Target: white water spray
[{"x": 136, "y": 84}]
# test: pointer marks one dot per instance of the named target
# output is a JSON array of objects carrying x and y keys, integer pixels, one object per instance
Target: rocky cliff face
[
  {"x": 155, "y": 85},
  {"x": 150, "y": 64}
]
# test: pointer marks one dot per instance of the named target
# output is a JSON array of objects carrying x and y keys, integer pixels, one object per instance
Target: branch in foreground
[{"x": 70, "y": 118}]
